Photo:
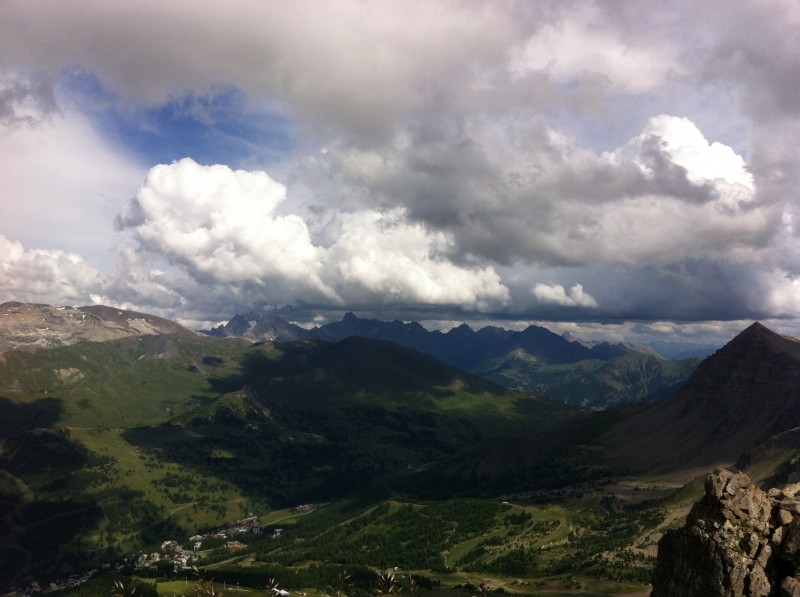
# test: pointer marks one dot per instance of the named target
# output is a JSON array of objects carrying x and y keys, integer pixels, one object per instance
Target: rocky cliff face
[
  {"x": 738, "y": 541},
  {"x": 261, "y": 327}
]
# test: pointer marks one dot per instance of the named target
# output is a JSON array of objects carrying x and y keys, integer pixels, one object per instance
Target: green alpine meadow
[
  {"x": 180, "y": 463},
  {"x": 358, "y": 455}
]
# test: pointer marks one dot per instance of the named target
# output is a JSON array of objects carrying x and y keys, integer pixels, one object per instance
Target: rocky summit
[
  {"x": 741, "y": 396},
  {"x": 738, "y": 541},
  {"x": 32, "y": 326}
]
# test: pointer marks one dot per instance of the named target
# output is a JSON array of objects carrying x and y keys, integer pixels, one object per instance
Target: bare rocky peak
[
  {"x": 738, "y": 541},
  {"x": 261, "y": 327},
  {"x": 31, "y": 326},
  {"x": 739, "y": 397}
]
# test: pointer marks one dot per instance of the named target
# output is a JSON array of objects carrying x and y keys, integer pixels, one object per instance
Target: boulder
[{"x": 738, "y": 541}]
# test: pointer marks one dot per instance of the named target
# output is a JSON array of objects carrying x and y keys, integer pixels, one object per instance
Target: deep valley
[{"x": 132, "y": 458}]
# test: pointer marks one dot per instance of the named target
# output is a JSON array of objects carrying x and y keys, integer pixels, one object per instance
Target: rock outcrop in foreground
[{"x": 738, "y": 541}]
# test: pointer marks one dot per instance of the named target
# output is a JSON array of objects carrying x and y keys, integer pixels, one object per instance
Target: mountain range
[
  {"x": 598, "y": 374},
  {"x": 461, "y": 346},
  {"x": 575, "y": 372},
  {"x": 111, "y": 446}
]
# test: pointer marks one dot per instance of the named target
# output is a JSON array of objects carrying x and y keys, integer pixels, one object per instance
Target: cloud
[
  {"x": 555, "y": 294},
  {"x": 588, "y": 46},
  {"x": 757, "y": 51},
  {"x": 312, "y": 56},
  {"x": 25, "y": 101},
  {"x": 689, "y": 149},
  {"x": 62, "y": 181},
  {"x": 382, "y": 258},
  {"x": 220, "y": 224},
  {"x": 223, "y": 228},
  {"x": 526, "y": 193},
  {"x": 35, "y": 275},
  {"x": 432, "y": 155},
  {"x": 686, "y": 227}
]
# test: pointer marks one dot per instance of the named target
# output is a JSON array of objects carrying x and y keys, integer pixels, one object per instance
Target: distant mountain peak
[
  {"x": 29, "y": 325},
  {"x": 462, "y": 332},
  {"x": 743, "y": 394},
  {"x": 260, "y": 327},
  {"x": 758, "y": 331},
  {"x": 760, "y": 339},
  {"x": 518, "y": 359}
]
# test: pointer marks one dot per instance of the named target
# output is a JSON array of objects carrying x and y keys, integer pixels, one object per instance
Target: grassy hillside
[
  {"x": 125, "y": 383},
  {"x": 110, "y": 447},
  {"x": 473, "y": 539},
  {"x": 589, "y": 547},
  {"x": 630, "y": 378},
  {"x": 401, "y": 461}
]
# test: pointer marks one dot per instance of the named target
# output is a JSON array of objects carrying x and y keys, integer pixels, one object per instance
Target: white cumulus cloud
[
  {"x": 223, "y": 227},
  {"x": 383, "y": 257},
  {"x": 37, "y": 275},
  {"x": 555, "y": 294},
  {"x": 688, "y": 148}
]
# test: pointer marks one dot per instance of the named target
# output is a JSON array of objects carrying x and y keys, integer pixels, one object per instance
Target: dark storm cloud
[{"x": 523, "y": 193}]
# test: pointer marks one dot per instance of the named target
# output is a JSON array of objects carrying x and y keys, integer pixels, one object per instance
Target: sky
[{"x": 622, "y": 169}]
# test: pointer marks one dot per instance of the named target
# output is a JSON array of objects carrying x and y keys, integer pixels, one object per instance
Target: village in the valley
[{"x": 173, "y": 556}]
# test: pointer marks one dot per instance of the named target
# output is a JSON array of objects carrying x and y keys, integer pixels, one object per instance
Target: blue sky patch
[{"x": 212, "y": 127}]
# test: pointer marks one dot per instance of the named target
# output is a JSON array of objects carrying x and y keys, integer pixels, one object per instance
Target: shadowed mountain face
[
  {"x": 461, "y": 346},
  {"x": 535, "y": 359},
  {"x": 745, "y": 393}
]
